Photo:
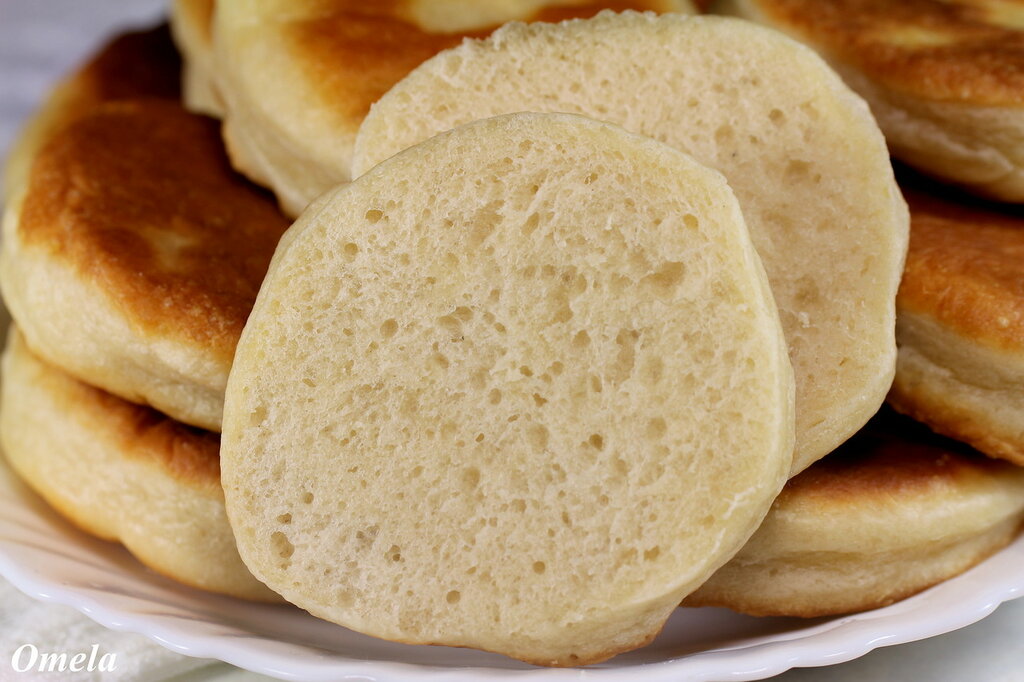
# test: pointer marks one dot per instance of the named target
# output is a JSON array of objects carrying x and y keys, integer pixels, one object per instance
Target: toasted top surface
[
  {"x": 957, "y": 50},
  {"x": 892, "y": 460},
  {"x": 187, "y": 454},
  {"x": 132, "y": 65},
  {"x": 965, "y": 267},
  {"x": 536, "y": 362},
  {"x": 138, "y": 198},
  {"x": 354, "y": 51}
]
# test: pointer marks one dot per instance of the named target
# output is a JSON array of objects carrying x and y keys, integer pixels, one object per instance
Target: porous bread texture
[
  {"x": 799, "y": 149},
  {"x": 521, "y": 388},
  {"x": 84, "y": 332},
  {"x": 959, "y": 386},
  {"x": 191, "y": 25},
  {"x": 292, "y": 108},
  {"x": 978, "y": 146},
  {"x": 93, "y": 462}
]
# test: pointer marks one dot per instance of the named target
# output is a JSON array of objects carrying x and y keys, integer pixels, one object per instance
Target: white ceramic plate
[{"x": 47, "y": 558}]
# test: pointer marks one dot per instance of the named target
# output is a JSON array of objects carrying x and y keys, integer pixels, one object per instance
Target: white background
[{"x": 42, "y": 39}]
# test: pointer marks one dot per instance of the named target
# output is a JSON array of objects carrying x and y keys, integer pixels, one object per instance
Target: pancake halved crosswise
[
  {"x": 945, "y": 78},
  {"x": 960, "y": 324},
  {"x": 801, "y": 151},
  {"x": 122, "y": 472},
  {"x": 133, "y": 255},
  {"x": 894, "y": 511},
  {"x": 132, "y": 65},
  {"x": 192, "y": 25},
  {"x": 520, "y": 388},
  {"x": 298, "y": 76}
]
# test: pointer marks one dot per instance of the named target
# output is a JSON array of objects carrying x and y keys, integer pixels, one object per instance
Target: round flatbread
[
  {"x": 894, "y": 511},
  {"x": 960, "y": 326},
  {"x": 133, "y": 256},
  {"x": 520, "y": 388},
  {"x": 122, "y": 472}
]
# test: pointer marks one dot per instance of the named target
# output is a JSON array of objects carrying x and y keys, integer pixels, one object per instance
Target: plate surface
[{"x": 47, "y": 558}]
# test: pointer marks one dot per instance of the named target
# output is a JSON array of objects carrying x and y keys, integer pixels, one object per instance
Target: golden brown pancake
[
  {"x": 960, "y": 324},
  {"x": 134, "y": 255},
  {"x": 894, "y": 511},
  {"x": 945, "y": 78},
  {"x": 122, "y": 472},
  {"x": 132, "y": 65},
  {"x": 192, "y": 26},
  {"x": 299, "y": 76}
]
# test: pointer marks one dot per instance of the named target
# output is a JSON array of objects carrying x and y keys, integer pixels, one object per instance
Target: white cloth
[{"x": 38, "y": 628}]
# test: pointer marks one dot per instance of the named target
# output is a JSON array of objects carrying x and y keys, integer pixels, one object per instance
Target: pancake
[
  {"x": 192, "y": 25},
  {"x": 960, "y": 326},
  {"x": 132, "y": 65},
  {"x": 520, "y": 388},
  {"x": 122, "y": 472},
  {"x": 945, "y": 78},
  {"x": 894, "y": 511},
  {"x": 801, "y": 151},
  {"x": 134, "y": 254},
  {"x": 298, "y": 76}
]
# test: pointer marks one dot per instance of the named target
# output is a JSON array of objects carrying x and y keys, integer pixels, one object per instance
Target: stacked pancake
[
  {"x": 942, "y": 79},
  {"x": 565, "y": 305},
  {"x": 131, "y": 257}
]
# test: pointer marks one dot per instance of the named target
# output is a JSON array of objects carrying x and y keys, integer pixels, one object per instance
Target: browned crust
[
  {"x": 949, "y": 50},
  {"x": 891, "y": 458},
  {"x": 132, "y": 65},
  {"x": 965, "y": 266},
  {"x": 139, "y": 199},
  {"x": 356, "y": 51}
]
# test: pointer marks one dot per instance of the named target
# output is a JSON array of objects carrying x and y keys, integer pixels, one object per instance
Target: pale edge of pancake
[
  {"x": 70, "y": 451},
  {"x": 810, "y": 559},
  {"x": 199, "y": 88},
  {"x": 960, "y": 388}
]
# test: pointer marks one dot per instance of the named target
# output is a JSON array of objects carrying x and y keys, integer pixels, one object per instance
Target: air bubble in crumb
[
  {"x": 373, "y": 216},
  {"x": 282, "y": 546},
  {"x": 453, "y": 597},
  {"x": 539, "y": 567},
  {"x": 307, "y": 498}
]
